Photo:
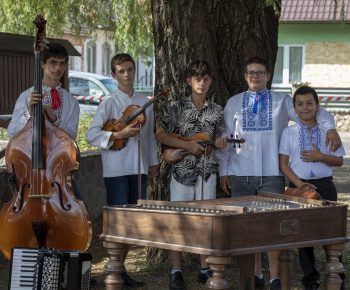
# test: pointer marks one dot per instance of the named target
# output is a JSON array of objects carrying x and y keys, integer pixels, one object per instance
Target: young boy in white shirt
[
  {"x": 259, "y": 116},
  {"x": 120, "y": 167},
  {"x": 311, "y": 165}
]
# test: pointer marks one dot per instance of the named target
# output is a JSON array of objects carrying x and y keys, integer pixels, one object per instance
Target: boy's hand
[
  {"x": 225, "y": 184},
  {"x": 195, "y": 148},
  {"x": 152, "y": 171},
  {"x": 130, "y": 130},
  {"x": 333, "y": 139},
  {"x": 311, "y": 155},
  {"x": 221, "y": 143},
  {"x": 34, "y": 98},
  {"x": 311, "y": 186}
]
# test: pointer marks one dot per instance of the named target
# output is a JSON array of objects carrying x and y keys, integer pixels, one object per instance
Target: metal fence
[{"x": 332, "y": 99}]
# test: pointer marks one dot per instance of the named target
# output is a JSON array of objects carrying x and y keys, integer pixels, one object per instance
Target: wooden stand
[
  {"x": 229, "y": 227},
  {"x": 286, "y": 265},
  {"x": 217, "y": 265},
  {"x": 247, "y": 271},
  {"x": 114, "y": 266},
  {"x": 333, "y": 266}
]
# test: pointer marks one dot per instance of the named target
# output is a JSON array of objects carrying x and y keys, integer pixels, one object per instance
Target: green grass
[
  {"x": 84, "y": 124},
  {"x": 3, "y": 134}
]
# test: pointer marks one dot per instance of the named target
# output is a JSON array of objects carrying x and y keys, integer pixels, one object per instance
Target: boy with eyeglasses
[{"x": 259, "y": 116}]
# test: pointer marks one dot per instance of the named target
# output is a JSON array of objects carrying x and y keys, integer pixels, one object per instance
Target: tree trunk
[{"x": 225, "y": 33}]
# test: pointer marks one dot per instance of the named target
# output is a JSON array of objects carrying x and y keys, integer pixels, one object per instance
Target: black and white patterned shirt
[{"x": 183, "y": 118}]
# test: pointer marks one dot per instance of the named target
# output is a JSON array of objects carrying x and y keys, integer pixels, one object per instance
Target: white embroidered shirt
[
  {"x": 296, "y": 138},
  {"x": 258, "y": 156},
  {"x": 125, "y": 161},
  {"x": 67, "y": 115}
]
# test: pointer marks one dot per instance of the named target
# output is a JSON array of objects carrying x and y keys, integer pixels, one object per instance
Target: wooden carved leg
[
  {"x": 333, "y": 266},
  {"x": 247, "y": 270},
  {"x": 114, "y": 266},
  {"x": 286, "y": 265},
  {"x": 217, "y": 265}
]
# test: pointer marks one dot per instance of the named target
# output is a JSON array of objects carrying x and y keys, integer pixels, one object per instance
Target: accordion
[{"x": 46, "y": 269}]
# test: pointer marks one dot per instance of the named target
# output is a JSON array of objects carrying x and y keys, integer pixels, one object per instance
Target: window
[
  {"x": 91, "y": 57},
  {"x": 289, "y": 65},
  {"x": 81, "y": 87},
  {"x": 75, "y": 61},
  {"x": 106, "y": 59}
]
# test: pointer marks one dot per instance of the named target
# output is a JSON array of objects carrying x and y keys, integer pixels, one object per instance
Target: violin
[
  {"x": 173, "y": 155},
  {"x": 129, "y": 117},
  {"x": 41, "y": 158}
]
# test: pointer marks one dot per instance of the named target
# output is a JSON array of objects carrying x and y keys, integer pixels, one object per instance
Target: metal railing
[{"x": 335, "y": 99}]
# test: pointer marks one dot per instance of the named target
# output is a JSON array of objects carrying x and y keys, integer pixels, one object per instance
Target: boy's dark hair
[
  {"x": 259, "y": 60},
  {"x": 199, "y": 68},
  {"x": 119, "y": 59},
  {"x": 305, "y": 90},
  {"x": 55, "y": 49}
]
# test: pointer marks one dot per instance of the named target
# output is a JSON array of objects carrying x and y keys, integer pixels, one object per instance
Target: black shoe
[
  {"x": 93, "y": 281},
  {"x": 177, "y": 281},
  {"x": 128, "y": 281},
  {"x": 276, "y": 284},
  {"x": 203, "y": 277},
  {"x": 311, "y": 287},
  {"x": 259, "y": 283}
]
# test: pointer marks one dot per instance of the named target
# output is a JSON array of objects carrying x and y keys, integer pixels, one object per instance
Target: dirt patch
[{"x": 157, "y": 276}]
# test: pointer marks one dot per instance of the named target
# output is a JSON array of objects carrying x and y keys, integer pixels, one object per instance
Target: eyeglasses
[{"x": 258, "y": 74}]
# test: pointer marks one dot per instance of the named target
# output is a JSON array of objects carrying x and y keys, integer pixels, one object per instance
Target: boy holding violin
[
  {"x": 259, "y": 116},
  {"x": 188, "y": 117},
  {"x": 120, "y": 167}
]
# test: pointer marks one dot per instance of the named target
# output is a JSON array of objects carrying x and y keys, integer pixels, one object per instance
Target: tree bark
[{"x": 225, "y": 33}]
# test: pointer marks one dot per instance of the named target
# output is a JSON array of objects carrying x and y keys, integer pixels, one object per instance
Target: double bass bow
[
  {"x": 133, "y": 114},
  {"x": 173, "y": 155},
  {"x": 41, "y": 158}
]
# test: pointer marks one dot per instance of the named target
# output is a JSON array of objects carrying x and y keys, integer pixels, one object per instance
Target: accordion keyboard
[{"x": 23, "y": 265}]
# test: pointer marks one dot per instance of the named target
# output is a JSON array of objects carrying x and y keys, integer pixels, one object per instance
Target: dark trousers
[
  {"x": 327, "y": 190},
  {"x": 124, "y": 189}
]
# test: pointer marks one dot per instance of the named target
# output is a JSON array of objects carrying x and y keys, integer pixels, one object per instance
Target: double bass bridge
[
  {"x": 50, "y": 195},
  {"x": 47, "y": 196}
]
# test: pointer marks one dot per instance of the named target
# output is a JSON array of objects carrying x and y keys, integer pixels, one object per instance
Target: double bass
[{"x": 41, "y": 158}]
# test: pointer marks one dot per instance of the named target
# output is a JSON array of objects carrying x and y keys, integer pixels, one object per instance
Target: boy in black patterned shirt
[{"x": 187, "y": 117}]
